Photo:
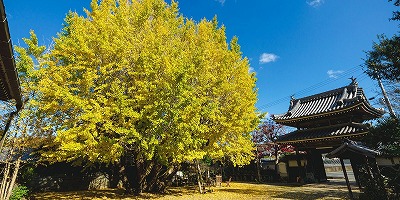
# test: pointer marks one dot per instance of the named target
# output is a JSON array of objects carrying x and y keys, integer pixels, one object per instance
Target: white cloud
[
  {"x": 334, "y": 74},
  {"x": 268, "y": 57},
  {"x": 221, "y": 1},
  {"x": 315, "y": 3},
  {"x": 251, "y": 70}
]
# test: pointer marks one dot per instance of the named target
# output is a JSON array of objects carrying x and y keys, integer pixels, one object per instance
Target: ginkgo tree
[
  {"x": 135, "y": 84},
  {"x": 22, "y": 127}
]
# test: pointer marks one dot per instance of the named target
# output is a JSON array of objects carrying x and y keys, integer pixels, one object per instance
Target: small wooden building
[
  {"x": 364, "y": 164},
  {"x": 323, "y": 122}
]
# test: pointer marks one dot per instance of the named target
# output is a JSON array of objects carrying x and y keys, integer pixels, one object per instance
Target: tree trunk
[
  {"x": 14, "y": 177},
  {"x": 139, "y": 175},
  {"x": 8, "y": 181},
  {"x": 4, "y": 181},
  {"x": 114, "y": 175},
  {"x": 258, "y": 170},
  {"x": 156, "y": 179},
  {"x": 199, "y": 177},
  {"x": 167, "y": 175},
  {"x": 276, "y": 158}
]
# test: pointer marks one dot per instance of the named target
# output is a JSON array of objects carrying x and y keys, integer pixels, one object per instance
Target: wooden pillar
[
  {"x": 310, "y": 164},
  {"x": 298, "y": 158},
  {"x": 347, "y": 179},
  {"x": 320, "y": 166},
  {"x": 317, "y": 165},
  {"x": 355, "y": 165}
]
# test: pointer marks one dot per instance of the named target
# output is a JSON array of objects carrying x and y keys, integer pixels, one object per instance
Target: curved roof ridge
[
  {"x": 337, "y": 101},
  {"x": 322, "y": 95}
]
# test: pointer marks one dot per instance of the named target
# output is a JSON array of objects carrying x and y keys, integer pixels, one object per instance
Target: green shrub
[{"x": 19, "y": 192}]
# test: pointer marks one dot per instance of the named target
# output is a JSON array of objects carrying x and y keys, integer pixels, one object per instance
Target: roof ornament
[
  {"x": 340, "y": 101},
  {"x": 353, "y": 86},
  {"x": 353, "y": 81},
  {"x": 292, "y": 99}
]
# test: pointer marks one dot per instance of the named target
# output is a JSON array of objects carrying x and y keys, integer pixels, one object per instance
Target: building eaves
[
  {"x": 9, "y": 82},
  {"x": 339, "y": 131}
]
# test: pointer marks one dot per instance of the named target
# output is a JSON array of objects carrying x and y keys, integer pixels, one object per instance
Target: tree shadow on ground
[
  {"x": 330, "y": 183},
  {"x": 313, "y": 195},
  {"x": 91, "y": 194},
  {"x": 181, "y": 191},
  {"x": 243, "y": 191},
  {"x": 112, "y": 194}
]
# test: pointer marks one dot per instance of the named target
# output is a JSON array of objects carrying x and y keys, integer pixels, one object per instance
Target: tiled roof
[
  {"x": 334, "y": 132},
  {"x": 337, "y": 101},
  {"x": 352, "y": 148},
  {"x": 9, "y": 82}
]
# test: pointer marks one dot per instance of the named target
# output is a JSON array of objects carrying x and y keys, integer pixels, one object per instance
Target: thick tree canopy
[{"x": 137, "y": 78}]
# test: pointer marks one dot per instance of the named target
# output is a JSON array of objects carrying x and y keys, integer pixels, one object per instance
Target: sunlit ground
[{"x": 331, "y": 190}]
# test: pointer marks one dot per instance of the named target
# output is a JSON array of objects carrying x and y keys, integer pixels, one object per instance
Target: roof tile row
[
  {"x": 331, "y": 101},
  {"x": 336, "y": 131}
]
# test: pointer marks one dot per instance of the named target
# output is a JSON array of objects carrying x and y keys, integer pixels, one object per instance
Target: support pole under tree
[{"x": 347, "y": 179}]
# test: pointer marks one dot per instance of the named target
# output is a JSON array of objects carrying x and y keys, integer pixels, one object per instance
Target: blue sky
[{"x": 298, "y": 47}]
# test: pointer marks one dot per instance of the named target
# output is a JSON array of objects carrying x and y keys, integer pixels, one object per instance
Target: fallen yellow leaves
[{"x": 331, "y": 190}]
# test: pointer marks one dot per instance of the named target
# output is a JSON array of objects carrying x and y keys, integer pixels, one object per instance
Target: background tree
[
  {"x": 385, "y": 136},
  {"x": 383, "y": 61},
  {"x": 264, "y": 138},
  {"x": 136, "y": 85},
  {"x": 396, "y": 14}
]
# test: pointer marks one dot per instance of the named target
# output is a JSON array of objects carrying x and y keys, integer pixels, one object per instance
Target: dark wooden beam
[{"x": 347, "y": 179}]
